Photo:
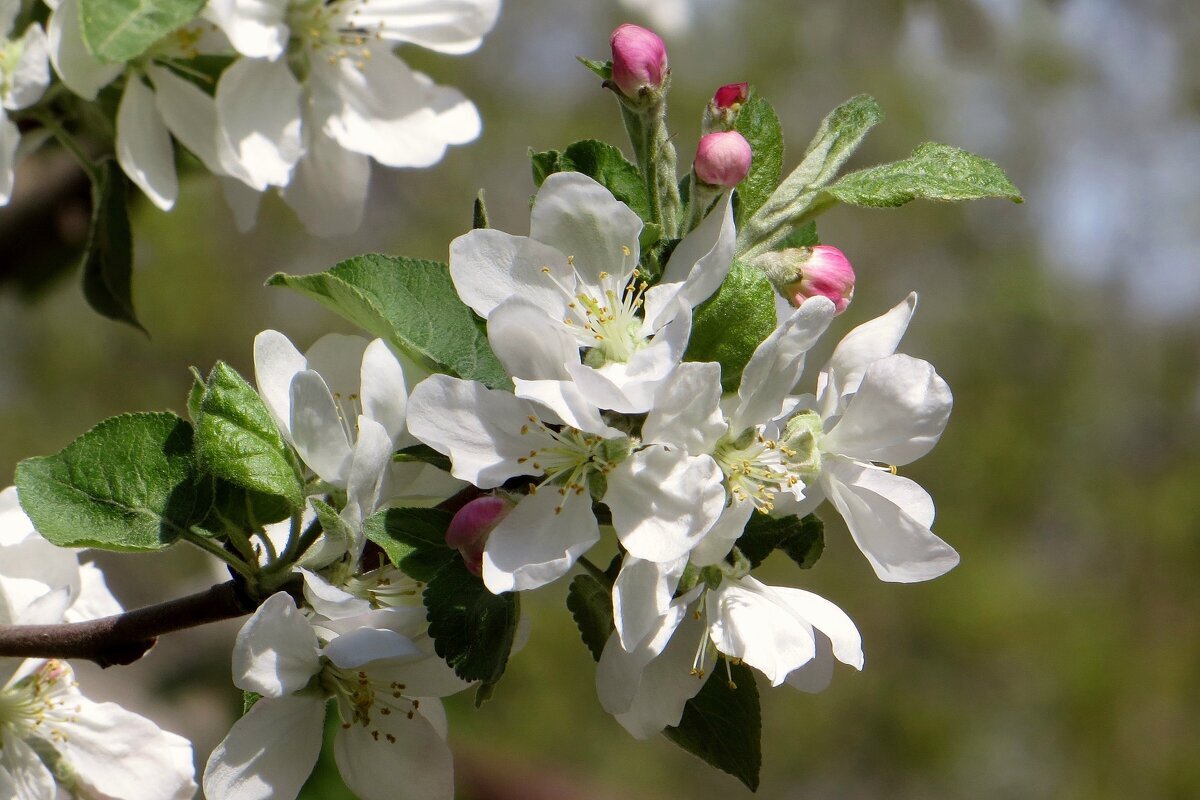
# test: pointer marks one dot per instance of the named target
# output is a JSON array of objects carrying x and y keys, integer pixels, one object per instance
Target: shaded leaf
[
  {"x": 121, "y": 30},
  {"x": 803, "y": 540},
  {"x": 414, "y": 539},
  {"x": 722, "y": 724},
  {"x": 590, "y": 604},
  {"x": 108, "y": 257},
  {"x": 733, "y": 322}
]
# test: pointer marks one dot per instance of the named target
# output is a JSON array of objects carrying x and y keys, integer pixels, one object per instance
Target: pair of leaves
[
  {"x": 121, "y": 30},
  {"x": 472, "y": 629},
  {"x": 141, "y": 481},
  {"x": 802, "y": 540},
  {"x": 601, "y": 162},
  {"x": 413, "y": 305},
  {"x": 722, "y": 724}
]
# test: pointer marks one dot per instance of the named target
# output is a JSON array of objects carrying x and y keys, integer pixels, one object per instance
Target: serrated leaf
[
  {"x": 121, "y": 30},
  {"x": 472, "y": 629},
  {"x": 601, "y": 69},
  {"x": 722, "y": 724},
  {"x": 413, "y": 305},
  {"x": 804, "y": 236},
  {"x": 590, "y": 604},
  {"x": 242, "y": 509},
  {"x": 424, "y": 454},
  {"x": 238, "y": 441},
  {"x": 733, "y": 322},
  {"x": 603, "y": 163},
  {"x": 414, "y": 539},
  {"x": 796, "y": 199},
  {"x": 108, "y": 257},
  {"x": 803, "y": 540},
  {"x": 933, "y": 172},
  {"x": 758, "y": 123},
  {"x": 543, "y": 164},
  {"x": 130, "y": 483}
]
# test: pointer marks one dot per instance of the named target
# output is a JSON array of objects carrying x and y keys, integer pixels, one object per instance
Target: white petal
[
  {"x": 331, "y": 601},
  {"x": 32, "y": 569},
  {"x": 889, "y": 518},
  {"x": 829, "y": 620},
  {"x": 116, "y": 753},
  {"x": 490, "y": 266},
  {"x": 539, "y": 540},
  {"x": 23, "y": 776},
  {"x": 10, "y": 137},
  {"x": 721, "y": 537},
  {"x": 641, "y": 595},
  {"x": 447, "y": 26},
  {"x": 275, "y": 653},
  {"x": 394, "y": 751},
  {"x": 777, "y": 363},
  {"x": 144, "y": 147},
  {"x": 269, "y": 752},
  {"x": 817, "y": 674},
  {"x": 256, "y": 28},
  {"x": 94, "y": 600},
  {"x": 329, "y": 186},
  {"x": 384, "y": 393},
  {"x": 30, "y": 76},
  {"x": 687, "y": 410},
  {"x": 569, "y": 403},
  {"x": 337, "y": 357},
  {"x": 15, "y": 526},
  {"x": 276, "y": 362},
  {"x": 896, "y": 416},
  {"x": 364, "y": 645},
  {"x": 369, "y": 460},
  {"x": 428, "y": 676},
  {"x": 580, "y": 218},
  {"x": 318, "y": 428},
  {"x": 747, "y": 620},
  {"x": 861, "y": 347},
  {"x": 530, "y": 344},
  {"x": 242, "y": 200},
  {"x": 189, "y": 113},
  {"x": 8, "y": 15},
  {"x": 702, "y": 260},
  {"x": 258, "y": 109},
  {"x": 81, "y": 71},
  {"x": 663, "y": 501},
  {"x": 479, "y": 428}
]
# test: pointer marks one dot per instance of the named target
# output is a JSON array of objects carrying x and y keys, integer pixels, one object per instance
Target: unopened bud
[
  {"x": 722, "y": 158},
  {"x": 820, "y": 270},
  {"x": 730, "y": 95},
  {"x": 468, "y": 530},
  {"x": 639, "y": 59}
]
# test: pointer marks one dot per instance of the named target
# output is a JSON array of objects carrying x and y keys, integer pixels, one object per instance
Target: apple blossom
[{"x": 24, "y": 75}]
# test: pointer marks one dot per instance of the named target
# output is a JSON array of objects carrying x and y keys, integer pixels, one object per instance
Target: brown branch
[{"x": 124, "y": 638}]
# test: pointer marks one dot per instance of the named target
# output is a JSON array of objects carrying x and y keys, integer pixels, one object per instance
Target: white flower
[
  {"x": 572, "y": 284},
  {"x": 24, "y": 75},
  {"x": 876, "y": 410},
  {"x": 337, "y": 84},
  {"x": 383, "y": 682},
  {"x": 662, "y": 500}
]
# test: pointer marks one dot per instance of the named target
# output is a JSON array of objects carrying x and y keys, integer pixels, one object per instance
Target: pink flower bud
[
  {"x": 826, "y": 272},
  {"x": 639, "y": 59},
  {"x": 722, "y": 159},
  {"x": 468, "y": 530},
  {"x": 731, "y": 94}
]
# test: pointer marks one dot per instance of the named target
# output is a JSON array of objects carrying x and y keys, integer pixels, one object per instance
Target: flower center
[
  {"x": 756, "y": 468},
  {"x": 10, "y": 58},
  {"x": 569, "y": 458},
  {"x": 321, "y": 29},
  {"x": 33, "y": 705},
  {"x": 358, "y": 697},
  {"x": 385, "y": 587},
  {"x": 607, "y": 319}
]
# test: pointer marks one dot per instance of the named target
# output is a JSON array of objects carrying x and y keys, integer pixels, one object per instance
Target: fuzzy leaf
[
  {"x": 414, "y": 539},
  {"x": 130, "y": 483},
  {"x": 758, "y": 122},
  {"x": 590, "y": 604},
  {"x": 413, "y": 305},
  {"x": 108, "y": 258},
  {"x": 601, "y": 69},
  {"x": 238, "y": 441},
  {"x": 121, "y": 30},
  {"x": 933, "y": 172},
  {"x": 733, "y": 322},
  {"x": 722, "y": 724},
  {"x": 803, "y": 540}
]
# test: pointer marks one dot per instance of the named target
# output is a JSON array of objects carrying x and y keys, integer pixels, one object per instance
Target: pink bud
[
  {"x": 639, "y": 59},
  {"x": 468, "y": 530},
  {"x": 826, "y": 272},
  {"x": 723, "y": 158},
  {"x": 731, "y": 94}
]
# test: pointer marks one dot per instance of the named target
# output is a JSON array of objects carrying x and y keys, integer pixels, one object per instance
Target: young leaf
[
  {"x": 723, "y": 723},
  {"x": 601, "y": 69},
  {"x": 237, "y": 440},
  {"x": 590, "y": 604},
  {"x": 243, "y": 509},
  {"x": 130, "y": 483},
  {"x": 601, "y": 162},
  {"x": 423, "y": 453},
  {"x": 414, "y": 539},
  {"x": 758, "y": 122},
  {"x": 413, "y": 305},
  {"x": 471, "y": 628},
  {"x": 544, "y": 164},
  {"x": 733, "y": 322},
  {"x": 479, "y": 214},
  {"x": 802, "y": 540},
  {"x": 804, "y": 236},
  {"x": 933, "y": 172},
  {"x": 108, "y": 258},
  {"x": 121, "y": 30}
]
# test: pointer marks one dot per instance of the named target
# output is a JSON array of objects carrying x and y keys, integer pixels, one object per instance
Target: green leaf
[
  {"x": 796, "y": 200},
  {"x": 544, "y": 164},
  {"x": 334, "y": 527},
  {"x": 243, "y": 509},
  {"x": 933, "y": 172},
  {"x": 130, "y": 483},
  {"x": 413, "y": 305},
  {"x": 804, "y": 236},
  {"x": 590, "y": 604},
  {"x": 733, "y": 322},
  {"x": 759, "y": 124},
  {"x": 479, "y": 214},
  {"x": 108, "y": 258},
  {"x": 601, "y": 162},
  {"x": 601, "y": 69},
  {"x": 803, "y": 540},
  {"x": 248, "y": 701},
  {"x": 414, "y": 539},
  {"x": 237, "y": 440},
  {"x": 424, "y": 454},
  {"x": 723, "y": 724},
  {"x": 121, "y": 30},
  {"x": 471, "y": 628},
  {"x": 195, "y": 394}
]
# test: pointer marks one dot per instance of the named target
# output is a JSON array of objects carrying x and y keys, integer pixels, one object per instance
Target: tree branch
[{"x": 124, "y": 638}]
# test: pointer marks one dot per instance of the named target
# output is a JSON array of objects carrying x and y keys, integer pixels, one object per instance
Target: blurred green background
[{"x": 1061, "y": 659}]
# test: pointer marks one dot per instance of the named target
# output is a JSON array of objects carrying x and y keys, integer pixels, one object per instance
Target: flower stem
[{"x": 68, "y": 141}]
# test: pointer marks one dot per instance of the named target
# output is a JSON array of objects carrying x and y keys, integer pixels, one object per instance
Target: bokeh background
[{"x": 1061, "y": 659}]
